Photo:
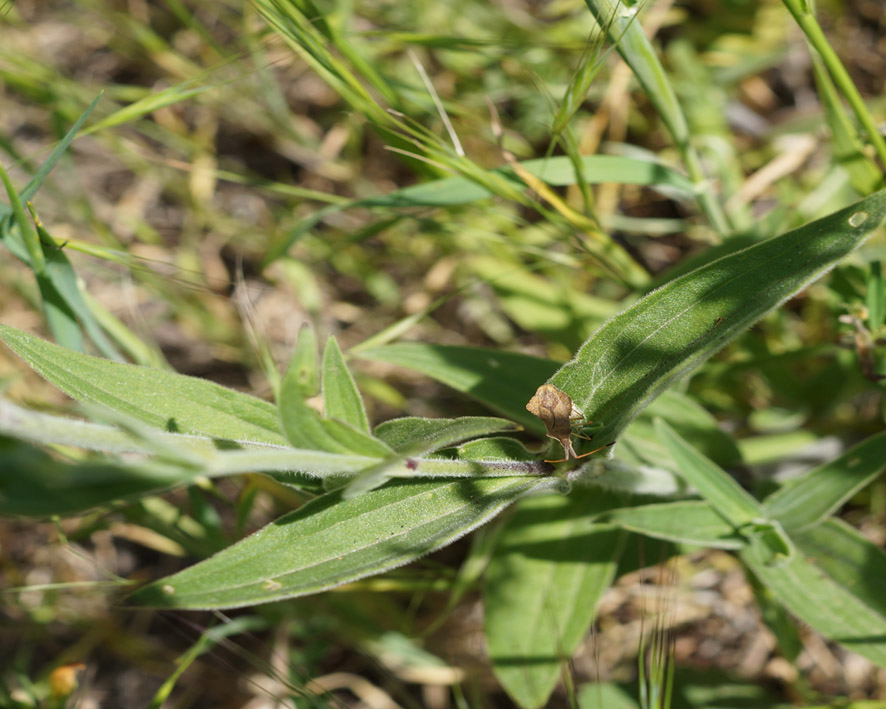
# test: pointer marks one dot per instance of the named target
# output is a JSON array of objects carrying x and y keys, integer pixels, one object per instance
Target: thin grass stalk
[
  {"x": 637, "y": 51},
  {"x": 805, "y": 18},
  {"x": 28, "y": 232}
]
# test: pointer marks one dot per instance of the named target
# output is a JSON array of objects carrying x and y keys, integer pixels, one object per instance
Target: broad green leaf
[
  {"x": 504, "y": 381},
  {"x": 714, "y": 484},
  {"x": 166, "y": 400},
  {"x": 822, "y": 602},
  {"x": 341, "y": 398},
  {"x": 415, "y": 436},
  {"x": 642, "y": 350},
  {"x": 33, "y": 483},
  {"x": 550, "y": 567},
  {"x": 686, "y": 521},
  {"x": 331, "y": 541},
  {"x": 806, "y": 501},
  {"x": 496, "y": 448},
  {"x": 850, "y": 559}
]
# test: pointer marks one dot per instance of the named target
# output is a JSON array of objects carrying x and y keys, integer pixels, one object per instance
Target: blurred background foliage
[{"x": 211, "y": 208}]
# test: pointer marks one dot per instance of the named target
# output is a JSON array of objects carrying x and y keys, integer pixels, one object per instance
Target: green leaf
[
  {"x": 415, "y": 436},
  {"x": 504, "y": 381},
  {"x": 557, "y": 171},
  {"x": 806, "y": 501},
  {"x": 849, "y": 558},
  {"x": 303, "y": 372},
  {"x": 63, "y": 281},
  {"x": 687, "y": 521},
  {"x": 304, "y": 426},
  {"x": 341, "y": 398},
  {"x": 60, "y": 149},
  {"x": 821, "y": 601},
  {"x": 496, "y": 448},
  {"x": 713, "y": 483},
  {"x": 34, "y": 484},
  {"x": 166, "y": 400},
  {"x": 642, "y": 443},
  {"x": 331, "y": 541},
  {"x": 639, "y": 352},
  {"x": 550, "y": 567}
]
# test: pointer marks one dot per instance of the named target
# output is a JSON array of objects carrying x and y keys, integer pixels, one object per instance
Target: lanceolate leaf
[
  {"x": 331, "y": 541},
  {"x": 686, "y": 521},
  {"x": 716, "y": 486},
  {"x": 822, "y": 601},
  {"x": 415, "y": 436},
  {"x": 853, "y": 561},
  {"x": 805, "y": 501},
  {"x": 550, "y": 567},
  {"x": 170, "y": 401},
  {"x": 341, "y": 398},
  {"x": 637, "y": 354}
]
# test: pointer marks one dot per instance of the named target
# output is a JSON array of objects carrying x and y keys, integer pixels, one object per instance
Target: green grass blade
[
  {"x": 331, "y": 541},
  {"x": 632, "y": 44},
  {"x": 556, "y": 171},
  {"x": 549, "y": 569},
  {"x": 638, "y": 353},
  {"x": 341, "y": 398},
  {"x": 165, "y": 400},
  {"x": 806, "y": 20},
  {"x": 808, "y": 500},
  {"x": 687, "y": 522},
  {"x": 36, "y": 181},
  {"x": 848, "y": 147},
  {"x": 27, "y": 232}
]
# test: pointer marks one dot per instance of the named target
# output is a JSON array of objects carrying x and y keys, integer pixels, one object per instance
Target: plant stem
[{"x": 816, "y": 37}]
